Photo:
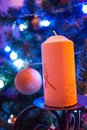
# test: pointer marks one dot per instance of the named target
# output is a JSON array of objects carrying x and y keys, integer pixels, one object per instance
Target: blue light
[
  {"x": 7, "y": 49},
  {"x": 13, "y": 55},
  {"x": 23, "y": 27},
  {"x": 84, "y": 8},
  {"x": 44, "y": 23}
]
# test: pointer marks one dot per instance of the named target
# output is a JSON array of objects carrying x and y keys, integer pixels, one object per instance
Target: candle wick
[{"x": 55, "y": 33}]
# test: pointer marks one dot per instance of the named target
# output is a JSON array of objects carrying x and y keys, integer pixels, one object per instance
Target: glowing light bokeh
[
  {"x": 18, "y": 63},
  {"x": 22, "y": 27},
  {"x": 7, "y": 49},
  {"x": 84, "y": 8},
  {"x": 45, "y": 23},
  {"x": 1, "y": 83},
  {"x": 13, "y": 55}
]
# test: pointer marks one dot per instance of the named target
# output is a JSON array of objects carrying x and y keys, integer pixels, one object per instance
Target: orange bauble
[
  {"x": 28, "y": 81},
  {"x": 36, "y": 23}
]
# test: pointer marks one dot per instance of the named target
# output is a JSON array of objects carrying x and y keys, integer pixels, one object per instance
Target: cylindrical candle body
[{"x": 59, "y": 72}]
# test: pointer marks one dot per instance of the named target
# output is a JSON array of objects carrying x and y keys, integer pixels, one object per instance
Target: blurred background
[{"x": 24, "y": 26}]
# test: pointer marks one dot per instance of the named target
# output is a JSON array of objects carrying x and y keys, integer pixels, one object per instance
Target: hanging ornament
[
  {"x": 36, "y": 23},
  {"x": 28, "y": 81}
]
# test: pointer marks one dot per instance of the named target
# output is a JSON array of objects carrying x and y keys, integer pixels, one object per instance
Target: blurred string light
[
  {"x": 11, "y": 119},
  {"x": 7, "y": 49},
  {"x": 45, "y": 23},
  {"x": 84, "y": 8},
  {"x": 75, "y": 111},
  {"x": 18, "y": 63},
  {"x": 23, "y": 27},
  {"x": 1, "y": 84},
  {"x": 13, "y": 55}
]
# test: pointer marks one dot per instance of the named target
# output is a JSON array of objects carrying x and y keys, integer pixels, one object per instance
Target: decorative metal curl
[{"x": 65, "y": 121}]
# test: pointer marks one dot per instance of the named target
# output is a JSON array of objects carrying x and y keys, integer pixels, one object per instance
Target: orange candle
[{"x": 59, "y": 72}]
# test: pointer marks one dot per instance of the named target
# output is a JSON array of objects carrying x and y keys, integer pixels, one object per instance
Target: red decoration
[{"x": 28, "y": 81}]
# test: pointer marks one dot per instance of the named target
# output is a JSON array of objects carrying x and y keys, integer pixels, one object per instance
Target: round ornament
[
  {"x": 36, "y": 23},
  {"x": 28, "y": 81}
]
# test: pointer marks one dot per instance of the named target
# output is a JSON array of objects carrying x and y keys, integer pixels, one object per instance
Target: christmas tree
[{"x": 23, "y": 32}]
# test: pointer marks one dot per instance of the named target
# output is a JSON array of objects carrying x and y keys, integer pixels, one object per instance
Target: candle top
[{"x": 57, "y": 38}]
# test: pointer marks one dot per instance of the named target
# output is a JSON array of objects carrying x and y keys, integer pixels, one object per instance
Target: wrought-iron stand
[{"x": 66, "y": 121}]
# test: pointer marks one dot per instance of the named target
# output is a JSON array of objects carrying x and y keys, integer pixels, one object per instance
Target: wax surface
[{"x": 59, "y": 72}]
